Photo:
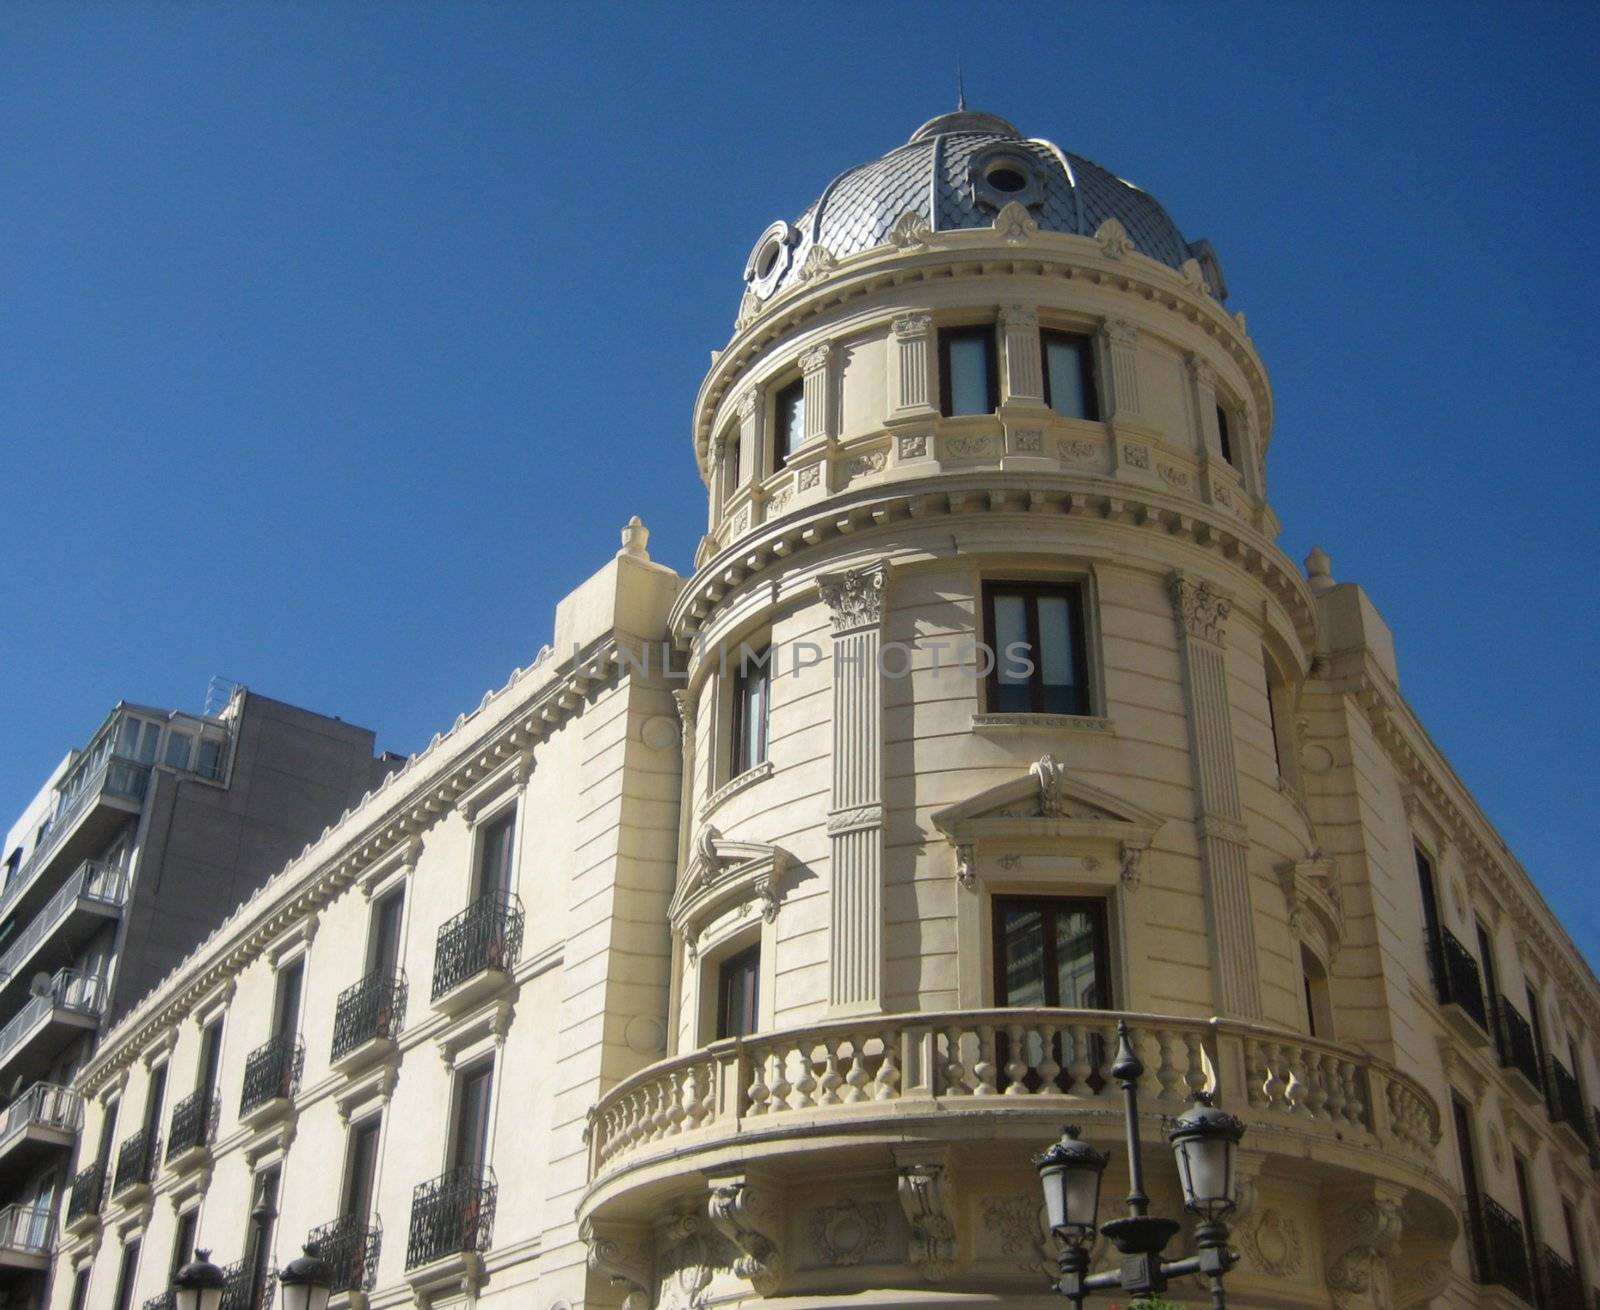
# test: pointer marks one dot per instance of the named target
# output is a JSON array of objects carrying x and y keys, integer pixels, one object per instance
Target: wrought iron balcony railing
[
  {"x": 243, "y": 1291},
  {"x": 29, "y": 1228},
  {"x": 1499, "y": 1252},
  {"x": 371, "y": 1009},
  {"x": 350, "y": 1246},
  {"x": 1559, "y": 1285},
  {"x": 87, "y": 1194},
  {"x": 1514, "y": 1041},
  {"x": 137, "y": 1161},
  {"x": 194, "y": 1122},
  {"x": 485, "y": 935},
  {"x": 44, "y": 1105},
  {"x": 1565, "y": 1097},
  {"x": 1455, "y": 977},
  {"x": 273, "y": 1072},
  {"x": 161, "y": 1301},
  {"x": 451, "y": 1214}
]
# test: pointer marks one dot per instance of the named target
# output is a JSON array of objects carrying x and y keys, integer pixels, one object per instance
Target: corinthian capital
[
  {"x": 816, "y": 359},
  {"x": 1200, "y": 608},
  {"x": 855, "y": 598}
]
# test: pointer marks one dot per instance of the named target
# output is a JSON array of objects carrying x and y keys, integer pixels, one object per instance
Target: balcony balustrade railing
[
  {"x": 485, "y": 935},
  {"x": 1455, "y": 977},
  {"x": 1565, "y": 1097},
  {"x": 115, "y": 776},
  {"x": 94, "y": 881},
  {"x": 1499, "y": 1251},
  {"x": 272, "y": 1072},
  {"x": 451, "y": 1214},
  {"x": 1044, "y": 1055},
  {"x": 87, "y": 1193},
  {"x": 242, "y": 1291},
  {"x": 161, "y": 1301},
  {"x": 371, "y": 1009},
  {"x": 350, "y": 1246},
  {"x": 79, "y": 993},
  {"x": 1514, "y": 1041},
  {"x": 194, "y": 1122},
  {"x": 137, "y": 1161},
  {"x": 1560, "y": 1288},
  {"x": 44, "y": 1105},
  {"x": 28, "y": 1228}
]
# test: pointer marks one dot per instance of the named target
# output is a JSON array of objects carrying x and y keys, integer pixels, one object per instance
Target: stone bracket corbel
[
  {"x": 621, "y": 1253},
  {"x": 925, "y": 1189},
  {"x": 745, "y": 1209}
]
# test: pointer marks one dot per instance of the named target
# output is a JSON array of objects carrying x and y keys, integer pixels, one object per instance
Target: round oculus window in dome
[
  {"x": 769, "y": 260},
  {"x": 1002, "y": 175}
]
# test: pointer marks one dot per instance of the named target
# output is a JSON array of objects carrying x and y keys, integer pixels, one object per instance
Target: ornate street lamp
[
  {"x": 306, "y": 1282},
  {"x": 199, "y": 1284},
  {"x": 1205, "y": 1143}
]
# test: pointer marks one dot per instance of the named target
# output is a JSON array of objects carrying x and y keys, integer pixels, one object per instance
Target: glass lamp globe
[
  {"x": 199, "y": 1284},
  {"x": 1205, "y": 1141},
  {"x": 306, "y": 1282},
  {"x": 1070, "y": 1174}
]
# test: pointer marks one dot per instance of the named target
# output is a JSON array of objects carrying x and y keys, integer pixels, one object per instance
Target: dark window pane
[
  {"x": 363, "y": 1167},
  {"x": 1041, "y": 627},
  {"x": 1058, "y": 664},
  {"x": 1224, "y": 440},
  {"x": 752, "y": 689},
  {"x": 384, "y": 955},
  {"x": 1077, "y": 960},
  {"x": 791, "y": 423},
  {"x": 738, "y": 994},
  {"x": 494, "y": 854},
  {"x": 286, "y": 1018},
  {"x": 1050, "y": 951},
  {"x": 472, "y": 1117},
  {"x": 1022, "y": 935},
  {"x": 126, "y": 1275},
  {"x": 1069, "y": 375},
  {"x": 967, "y": 381}
]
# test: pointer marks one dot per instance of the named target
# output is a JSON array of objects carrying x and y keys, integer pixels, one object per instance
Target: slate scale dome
[{"x": 958, "y": 171}]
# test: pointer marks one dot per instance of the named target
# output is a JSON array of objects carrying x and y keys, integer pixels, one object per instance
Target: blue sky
[{"x": 339, "y": 340}]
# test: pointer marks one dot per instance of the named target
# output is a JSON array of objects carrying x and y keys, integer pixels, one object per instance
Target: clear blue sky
[{"x": 338, "y": 341}]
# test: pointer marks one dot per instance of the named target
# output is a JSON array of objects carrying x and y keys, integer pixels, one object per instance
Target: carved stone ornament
[
  {"x": 1135, "y": 456},
  {"x": 1130, "y": 857},
  {"x": 913, "y": 445},
  {"x": 749, "y": 310},
  {"x": 1114, "y": 239},
  {"x": 854, "y": 598},
  {"x": 912, "y": 325},
  {"x": 1015, "y": 224},
  {"x": 685, "y": 702},
  {"x": 723, "y": 873},
  {"x": 871, "y": 462},
  {"x": 748, "y": 403},
  {"x": 621, "y": 1257},
  {"x": 910, "y": 231},
  {"x": 970, "y": 445},
  {"x": 966, "y": 866},
  {"x": 1194, "y": 277},
  {"x": 1272, "y": 1244},
  {"x": 1315, "y": 902},
  {"x": 925, "y": 1199},
  {"x": 1029, "y": 440},
  {"x": 1366, "y": 1237},
  {"x": 1021, "y": 317},
  {"x": 819, "y": 263},
  {"x": 687, "y": 1255},
  {"x": 1200, "y": 608},
  {"x": 848, "y": 1233},
  {"x": 1047, "y": 769},
  {"x": 1022, "y": 1230},
  {"x": 816, "y": 359},
  {"x": 808, "y": 477},
  {"x": 1077, "y": 451},
  {"x": 1203, "y": 374},
  {"x": 741, "y": 1213}
]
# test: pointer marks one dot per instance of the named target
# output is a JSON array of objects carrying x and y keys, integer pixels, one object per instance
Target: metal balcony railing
[
  {"x": 451, "y": 1214},
  {"x": 194, "y": 1122},
  {"x": 80, "y": 993},
  {"x": 137, "y": 1161},
  {"x": 1455, "y": 977},
  {"x": 272, "y": 1071},
  {"x": 350, "y": 1246},
  {"x": 1564, "y": 1097},
  {"x": 1514, "y": 1041},
  {"x": 242, "y": 1291},
  {"x": 485, "y": 935},
  {"x": 44, "y": 1105},
  {"x": 29, "y": 1228},
  {"x": 115, "y": 776},
  {"x": 88, "y": 1192},
  {"x": 1559, "y": 1285},
  {"x": 1499, "y": 1252},
  {"x": 92, "y": 881},
  {"x": 373, "y": 1008},
  {"x": 161, "y": 1301}
]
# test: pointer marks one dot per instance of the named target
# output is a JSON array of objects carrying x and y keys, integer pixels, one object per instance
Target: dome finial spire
[{"x": 961, "y": 89}]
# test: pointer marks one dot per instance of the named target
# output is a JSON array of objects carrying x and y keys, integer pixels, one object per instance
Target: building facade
[
  {"x": 747, "y": 944},
  {"x": 134, "y": 850}
]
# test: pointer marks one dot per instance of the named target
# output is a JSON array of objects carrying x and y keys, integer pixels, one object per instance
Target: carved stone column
[
  {"x": 1122, "y": 349},
  {"x": 1203, "y": 390},
  {"x": 913, "y": 386},
  {"x": 817, "y": 379},
  {"x": 1024, "y": 375},
  {"x": 1219, "y": 820},
  {"x": 749, "y": 409},
  {"x": 855, "y": 818}
]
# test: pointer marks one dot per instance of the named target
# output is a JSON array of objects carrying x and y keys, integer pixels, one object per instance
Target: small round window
[
  {"x": 1006, "y": 177},
  {"x": 770, "y": 258},
  {"x": 999, "y": 177}
]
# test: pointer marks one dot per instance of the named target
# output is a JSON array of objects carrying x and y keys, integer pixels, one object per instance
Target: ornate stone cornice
[
  {"x": 854, "y": 598},
  {"x": 388, "y": 819}
]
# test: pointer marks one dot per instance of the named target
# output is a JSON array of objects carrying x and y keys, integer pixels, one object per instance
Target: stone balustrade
[{"x": 1047, "y": 1059}]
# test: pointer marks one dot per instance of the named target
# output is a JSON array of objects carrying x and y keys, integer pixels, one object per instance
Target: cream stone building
[{"x": 744, "y": 946}]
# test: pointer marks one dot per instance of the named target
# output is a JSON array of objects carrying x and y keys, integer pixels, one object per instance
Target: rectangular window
[
  {"x": 183, "y": 1242},
  {"x": 968, "y": 380},
  {"x": 153, "y": 1102},
  {"x": 752, "y": 695},
  {"x": 209, "y": 765},
  {"x": 470, "y": 1146},
  {"x": 733, "y": 472},
  {"x": 1224, "y": 440},
  {"x": 383, "y": 939},
  {"x": 1536, "y": 1022},
  {"x": 258, "y": 1238},
  {"x": 286, "y": 1008},
  {"x": 1461, "y": 1117},
  {"x": 80, "y": 1289},
  {"x": 1574, "y": 1252},
  {"x": 1274, "y": 690},
  {"x": 126, "y": 1275},
  {"x": 1036, "y": 637},
  {"x": 739, "y": 994},
  {"x": 789, "y": 423},
  {"x": 180, "y": 745},
  {"x": 137, "y": 740},
  {"x": 495, "y": 844},
  {"x": 1430, "y": 902},
  {"x": 1491, "y": 984},
  {"x": 1069, "y": 375},
  {"x": 361, "y": 1167},
  {"x": 1051, "y": 951},
  {"x": 1525, "y": 1205},
  {"x": 210, "y": 1056},
  {"x": 108, "y": 1129}
]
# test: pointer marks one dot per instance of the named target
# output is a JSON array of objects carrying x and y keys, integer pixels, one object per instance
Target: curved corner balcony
[{"x": 993, "y": 1080}]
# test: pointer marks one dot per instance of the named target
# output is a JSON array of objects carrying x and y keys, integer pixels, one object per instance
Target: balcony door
[
  {"x": 470, "y": 1139},
  {"x": 361, "y": 1169},
  {"x": 210, "y": 1060},
  {"x": 383, "y": 941},
  {"x": 1052, "y": 952},
  {"x": 1467, "y": 1157},
  {"x": 495, "y": 846},
  {"x": 286, "y": 1009}
]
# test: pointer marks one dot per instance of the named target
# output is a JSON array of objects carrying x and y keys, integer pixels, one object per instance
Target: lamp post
[
  {"x": 199, "y": 1284},
  {"x": 1205, "y": 1144},
  {"x": 306, "y": 1282}
]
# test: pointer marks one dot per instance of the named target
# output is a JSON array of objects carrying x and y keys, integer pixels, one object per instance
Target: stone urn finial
[
  {"x": 1319, "y": 569},
  {"x": 635, "y": 537}
]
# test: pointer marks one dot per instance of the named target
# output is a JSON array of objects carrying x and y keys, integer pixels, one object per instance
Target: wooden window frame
[
  {"x": 1086, "y": 366},
  {"x": 1076, "y": 593},
  {"x": 1098, "y": 910},
  {"x": 984, "y": 332}
]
